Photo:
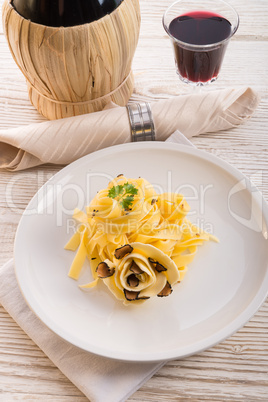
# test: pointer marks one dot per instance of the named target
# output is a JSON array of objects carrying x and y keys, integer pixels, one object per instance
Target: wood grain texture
[{"x": 234, "y": 370}]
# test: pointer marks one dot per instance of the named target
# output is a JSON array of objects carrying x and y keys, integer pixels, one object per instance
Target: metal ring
[{"x": 141, "y": 122}]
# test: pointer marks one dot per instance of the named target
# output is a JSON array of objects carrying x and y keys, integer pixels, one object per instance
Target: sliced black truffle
[
  {"x": 123, "y": 251},
  {"x": 166, "y": 291},
  {"x": 130, "y": 296},
  {"x": 104, "y": 271},
  {"x": 135, "y": 268},
  {"x": 157, "y": 266},
  {"x": 132, "y": 280}
]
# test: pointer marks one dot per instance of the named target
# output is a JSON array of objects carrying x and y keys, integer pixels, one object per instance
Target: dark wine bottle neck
[{"x": 65, "y": 13}]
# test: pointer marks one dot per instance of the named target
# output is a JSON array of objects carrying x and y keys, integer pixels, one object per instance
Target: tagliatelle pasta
[{"x": 138, "y": 242}]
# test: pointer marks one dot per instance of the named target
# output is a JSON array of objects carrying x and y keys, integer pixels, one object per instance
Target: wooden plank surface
[{"x": 234, "y": 370}]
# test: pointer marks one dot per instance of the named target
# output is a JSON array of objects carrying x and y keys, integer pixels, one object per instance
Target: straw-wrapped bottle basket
[{"x": 75, "y": 70}]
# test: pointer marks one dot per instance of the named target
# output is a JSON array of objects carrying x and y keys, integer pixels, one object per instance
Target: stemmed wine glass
[{"x": 200, "y": 32}]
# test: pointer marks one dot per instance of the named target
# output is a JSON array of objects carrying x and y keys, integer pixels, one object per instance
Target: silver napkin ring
[{"x": 141, "y": 122}]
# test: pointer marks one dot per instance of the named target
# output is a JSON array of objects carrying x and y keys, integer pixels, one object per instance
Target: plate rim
[{"x": 210, "y": 341}]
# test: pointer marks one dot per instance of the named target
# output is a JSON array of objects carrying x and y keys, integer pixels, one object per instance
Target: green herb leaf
[
  {"x": 127, "y": 201},
  {"x": 124, "y": 194},
  {"x": 130, "y": 189},
  {"x": 115, "y": 191}
]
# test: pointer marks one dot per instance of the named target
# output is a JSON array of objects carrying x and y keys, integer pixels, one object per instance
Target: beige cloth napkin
[{"x": 63, "y": 141}]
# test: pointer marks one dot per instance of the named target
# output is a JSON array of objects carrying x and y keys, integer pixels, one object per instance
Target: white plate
[{"x": 224, "y": 286}]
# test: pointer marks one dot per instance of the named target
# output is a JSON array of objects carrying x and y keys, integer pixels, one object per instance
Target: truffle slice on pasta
[{"x": 138, "y": 275}]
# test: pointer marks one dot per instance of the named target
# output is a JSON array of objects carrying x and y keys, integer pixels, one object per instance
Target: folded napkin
[
  {"x": 63, "y": 141},
  {"x": 99, "y": 378}
]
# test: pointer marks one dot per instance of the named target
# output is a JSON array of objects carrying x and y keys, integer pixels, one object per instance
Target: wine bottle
[{"x": 66, "y": 13}]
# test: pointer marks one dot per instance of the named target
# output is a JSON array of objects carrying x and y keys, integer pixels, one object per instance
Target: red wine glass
[{"x": 200, "y": 33}]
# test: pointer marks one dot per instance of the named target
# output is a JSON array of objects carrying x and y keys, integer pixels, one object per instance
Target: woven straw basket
[{"x": 75, "y": 70}]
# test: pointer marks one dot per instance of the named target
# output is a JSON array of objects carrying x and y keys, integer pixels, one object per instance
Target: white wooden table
[{"x": 235, "y": 370}]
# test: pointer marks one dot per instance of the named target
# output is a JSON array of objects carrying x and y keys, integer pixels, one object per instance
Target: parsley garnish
[{"x": 124, "y": 194}]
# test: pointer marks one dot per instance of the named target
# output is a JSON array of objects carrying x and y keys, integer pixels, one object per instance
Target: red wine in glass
[{"x": 193, "y": 32}]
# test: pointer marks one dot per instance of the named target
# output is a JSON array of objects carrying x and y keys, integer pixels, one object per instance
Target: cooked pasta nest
[{"x": 139, "y": 244}]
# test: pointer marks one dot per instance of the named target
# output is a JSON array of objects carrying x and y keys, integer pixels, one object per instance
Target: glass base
[{"x": 198, "y": 83}]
